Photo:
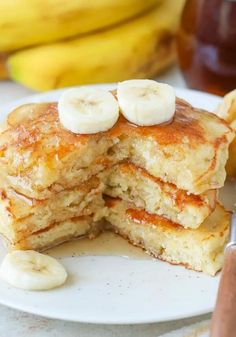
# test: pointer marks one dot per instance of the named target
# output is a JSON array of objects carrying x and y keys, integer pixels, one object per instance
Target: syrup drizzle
[{"x": 106, "y": 244}]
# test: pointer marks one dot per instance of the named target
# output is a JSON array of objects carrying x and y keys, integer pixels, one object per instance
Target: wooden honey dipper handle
[{"x": 224, "y": 316}]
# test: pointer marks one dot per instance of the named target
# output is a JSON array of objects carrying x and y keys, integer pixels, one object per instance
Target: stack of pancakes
[{"x": 156, "y": 186}]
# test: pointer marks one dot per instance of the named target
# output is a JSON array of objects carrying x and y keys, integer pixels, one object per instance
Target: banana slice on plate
[
  {"x": 31, "y": 270},
  {"x": 86, "y": 110},
  {"x": 146, "y": 102}
]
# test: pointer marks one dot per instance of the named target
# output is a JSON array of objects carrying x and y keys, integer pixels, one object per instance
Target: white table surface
[{"x": 18, "y": 324}]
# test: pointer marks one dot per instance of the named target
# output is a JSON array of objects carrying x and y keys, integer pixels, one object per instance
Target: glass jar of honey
[{"x": 206, "y": 45}]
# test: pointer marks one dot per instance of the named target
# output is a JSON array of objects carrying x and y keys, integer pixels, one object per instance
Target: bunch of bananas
[{"x": 49, "y": 44}]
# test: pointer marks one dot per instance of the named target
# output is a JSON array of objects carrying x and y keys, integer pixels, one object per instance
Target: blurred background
[{"x": 49, "y": 44}]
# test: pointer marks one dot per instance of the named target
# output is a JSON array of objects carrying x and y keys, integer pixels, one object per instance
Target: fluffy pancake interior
[
  {"x": 133, "y": 184},
  {"x": 22, "y": 216},
  {"x": 58, "y": 233},
  {"x": 199, "y": 249}
]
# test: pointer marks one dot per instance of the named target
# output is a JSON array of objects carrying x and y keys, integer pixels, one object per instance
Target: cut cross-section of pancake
[
  {"x": 21, "y": 216},
  {"x": 199, "y": 249},
  {"x": 133, "y": 184},
  {"x": 38, "y": 156},
  {"x": 58, "y": 233}
]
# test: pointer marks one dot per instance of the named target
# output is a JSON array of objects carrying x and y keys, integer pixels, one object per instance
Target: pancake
[
  {"x": 133, "y": 184},
  {"x": 20, "y": 216},
  {"x": 198, "y": 249},
  {"x": 58, "y": 233},
  {"x": 39, "y": 157}
]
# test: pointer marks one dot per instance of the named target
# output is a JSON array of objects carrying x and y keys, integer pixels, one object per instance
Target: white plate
[{"x": 112, "y": 289}]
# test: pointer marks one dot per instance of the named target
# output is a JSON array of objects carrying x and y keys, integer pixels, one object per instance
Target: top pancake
[{"x": 38, "y": 156}]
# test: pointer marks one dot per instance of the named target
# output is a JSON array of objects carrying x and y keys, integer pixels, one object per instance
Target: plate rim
[{"x": 110, "y": 322}]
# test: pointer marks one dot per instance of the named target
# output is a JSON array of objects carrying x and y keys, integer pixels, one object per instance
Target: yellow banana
[
  {"x": 29, "y": 22},
  {"x": 136, "y": 49}
]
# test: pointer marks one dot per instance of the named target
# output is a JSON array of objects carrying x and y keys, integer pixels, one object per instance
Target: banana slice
[
  {"x": 86, "y": 110},
  {"x": 146, "y": 102},
  {"x": 31, "y": 270},
  {"x": 227, "y": 108}
]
